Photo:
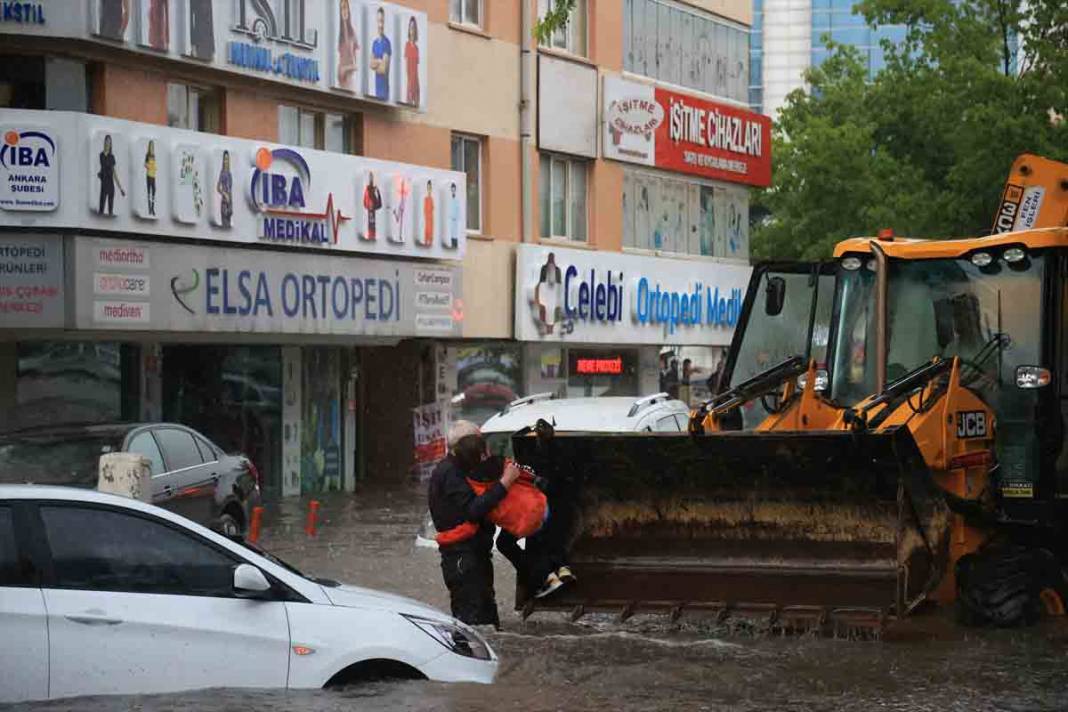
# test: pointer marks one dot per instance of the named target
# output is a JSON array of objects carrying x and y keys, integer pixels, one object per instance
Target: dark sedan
[{"x": 191, "y": 475}]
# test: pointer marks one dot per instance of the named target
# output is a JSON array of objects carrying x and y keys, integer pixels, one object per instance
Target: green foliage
[
  {"x": 553, "y": 20},
  {"x": 925, "y": 147}
]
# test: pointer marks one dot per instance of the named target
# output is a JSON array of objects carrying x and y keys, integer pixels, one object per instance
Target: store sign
[
  {"x": 377, "y": 51},
  {"x": 678, "y": 132},
  {"x": 582, "y": 297},
  {"x": 31, "y": 281},
  {"x": 29, "y": 169},
  {"x": 22, "y": 12},
  {"x": 167, "y": 287},
  {"x": 272, "y": 39},
  {"x": 143, "y": 179},
  {"x": 597, "y": 366}
]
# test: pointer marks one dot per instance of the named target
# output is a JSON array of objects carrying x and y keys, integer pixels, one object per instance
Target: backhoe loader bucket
[{"x": 827, "y": 522}]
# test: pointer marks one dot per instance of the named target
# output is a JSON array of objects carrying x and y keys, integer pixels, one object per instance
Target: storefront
[
  {"x": 609, "y": 324},
  {"x": 244, "y": 290}
]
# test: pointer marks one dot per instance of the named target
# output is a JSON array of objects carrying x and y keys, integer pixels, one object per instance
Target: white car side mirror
[{"x": 250, "y": 581}]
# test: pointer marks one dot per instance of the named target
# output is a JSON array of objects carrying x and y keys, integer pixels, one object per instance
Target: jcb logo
[
  {"x": 1010, "y": 208},
  {"x": 971, "y": 424}
]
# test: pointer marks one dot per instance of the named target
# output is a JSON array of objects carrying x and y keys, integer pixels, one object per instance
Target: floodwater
[{"x": 646, "y": 663}]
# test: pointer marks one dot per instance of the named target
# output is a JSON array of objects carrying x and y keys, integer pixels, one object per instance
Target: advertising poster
[
  {"x": 380, "y": 54},
  {"x": 154, "y": 28},
  {"x": 189, "y": 186},
  {"x": 429, "y": 424},
  {"x": 347, "y": 33},
  {"x": 148, "y": 172},
  {"x": 109, "y": 171}
]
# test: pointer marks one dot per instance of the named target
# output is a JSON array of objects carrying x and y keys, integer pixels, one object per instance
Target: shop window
[
  {"x": 571, "y": 37},
  {"x": 466, "y": 12},
  {"x": 22, "y": 82},
  {"x": 194, "y": 108},
  {"x": 668, "y": 214},
  {"x": 467, "y": 157},
  {"x": 76, "y": 382},
  {"x": 231, "y": 394},
  {"x": 690, "y": 373},
  {"x": 316, "y": 129},
  {"x": 483, "y": 379},
  {"x": 562, "y": 193}
]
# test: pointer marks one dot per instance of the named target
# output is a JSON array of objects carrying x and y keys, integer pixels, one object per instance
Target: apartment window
[
  {"x": 194, "y": 108},
  {"x": 467, "y": 157},
  {"x": 572, "y": 36},
  {"x": 315, "y": 129},
  {"x": 562, "y": 196},
  {"x": 22, "y": 82},
  {"x": 466, "y": 12}
]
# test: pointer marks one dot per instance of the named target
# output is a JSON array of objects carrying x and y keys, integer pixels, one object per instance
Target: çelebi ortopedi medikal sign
[{"x": 678, "y": 132}]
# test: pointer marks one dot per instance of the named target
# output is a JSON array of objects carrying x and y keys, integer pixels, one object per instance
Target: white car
[
  {"x": 105, "y": 595},
  {"x": 657, "y": 413}
]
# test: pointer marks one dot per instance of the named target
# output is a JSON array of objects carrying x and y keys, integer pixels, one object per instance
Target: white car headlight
[{"x": 458, "y": 639}]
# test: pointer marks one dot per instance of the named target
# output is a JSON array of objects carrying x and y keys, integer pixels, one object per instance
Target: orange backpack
[{"x": 522, "y": 511}]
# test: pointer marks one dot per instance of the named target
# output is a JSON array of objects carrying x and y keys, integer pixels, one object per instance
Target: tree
[
  {"x": 925, "y": 146},
  {"x": 555, "y": 18}
]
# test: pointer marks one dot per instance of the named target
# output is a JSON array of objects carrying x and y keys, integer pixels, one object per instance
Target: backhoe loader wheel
[{"x": 1008, "y": 586}]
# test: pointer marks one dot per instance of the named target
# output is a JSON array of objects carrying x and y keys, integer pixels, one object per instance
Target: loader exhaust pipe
[{"x": 881, "y": 287}]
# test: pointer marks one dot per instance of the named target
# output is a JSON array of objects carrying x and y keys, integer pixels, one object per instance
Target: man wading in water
[{"x": 466, "y": 565}]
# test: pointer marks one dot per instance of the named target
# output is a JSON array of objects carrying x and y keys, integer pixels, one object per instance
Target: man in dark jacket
[{"x": 467, "y": 565}]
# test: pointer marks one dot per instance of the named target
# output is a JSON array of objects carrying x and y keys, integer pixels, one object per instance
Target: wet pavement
[{"x": 548, "y": 663}]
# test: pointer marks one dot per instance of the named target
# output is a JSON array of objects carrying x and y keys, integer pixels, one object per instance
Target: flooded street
[{"x": 548, "y": 663}]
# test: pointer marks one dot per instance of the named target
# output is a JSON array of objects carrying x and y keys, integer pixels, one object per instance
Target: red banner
[{"x": 712, "y": 140}]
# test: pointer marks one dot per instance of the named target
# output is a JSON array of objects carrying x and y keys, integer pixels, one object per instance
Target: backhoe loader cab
[{"x": 999, "y": 304}]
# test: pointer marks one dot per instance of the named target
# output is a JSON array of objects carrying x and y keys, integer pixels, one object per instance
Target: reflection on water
[{"x": 645, "y": 663}]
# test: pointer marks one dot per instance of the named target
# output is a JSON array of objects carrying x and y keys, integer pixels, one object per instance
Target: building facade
[
  {"x": 316, "y": 231},
  {"x": 788, "y": 37}
]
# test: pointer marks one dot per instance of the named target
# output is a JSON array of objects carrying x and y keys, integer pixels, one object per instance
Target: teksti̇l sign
[{"x": 572, "y": 296}]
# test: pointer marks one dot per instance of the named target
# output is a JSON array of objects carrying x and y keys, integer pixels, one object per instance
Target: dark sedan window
[
  {"x": 10, "y": 574},
  {"x": 145, "y": 445},
  {"x": 207, "y": 452},
  {"x": 106, "y": 550},
  {"x": 61, "y": 459},
  {"x": 179, "y": 449}
]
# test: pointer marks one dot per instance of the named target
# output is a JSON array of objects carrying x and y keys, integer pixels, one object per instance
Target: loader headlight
[
  {"x": 851, "y": 264},
  {"x": 1014, "y": 254},
  {"x": 822, "y": 381},
  {"x": 456, "y": 637},
  {"x": 982, "y": 259}
]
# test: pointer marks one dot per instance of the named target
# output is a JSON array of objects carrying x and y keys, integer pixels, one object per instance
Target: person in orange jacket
[{"x": 523, "y": 513}]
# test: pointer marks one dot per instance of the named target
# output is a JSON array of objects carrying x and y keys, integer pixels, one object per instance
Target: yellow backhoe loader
[{"x": 895, "y": 440}]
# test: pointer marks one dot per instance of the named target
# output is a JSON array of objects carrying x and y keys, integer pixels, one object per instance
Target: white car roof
[
  {"x": 72, "y": 494},
  {"x": 598, "y": 415}
]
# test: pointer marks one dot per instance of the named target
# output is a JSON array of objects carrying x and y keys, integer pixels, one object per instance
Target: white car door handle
[{"x": 93, "y": 619}]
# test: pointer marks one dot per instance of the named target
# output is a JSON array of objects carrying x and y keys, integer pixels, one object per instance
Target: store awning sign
[
  {"x": 140, "y": 179},
  {"x": 654, "y": 126},
  {"x": 376, "y": 51},
  {"x": 167, "y": 287},
  {"x": 578, "y": 297}
]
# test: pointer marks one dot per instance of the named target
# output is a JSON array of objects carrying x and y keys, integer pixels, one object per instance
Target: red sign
[
  {"x": 612, "y": 366},
  {"x": 713, "y": 140}
]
